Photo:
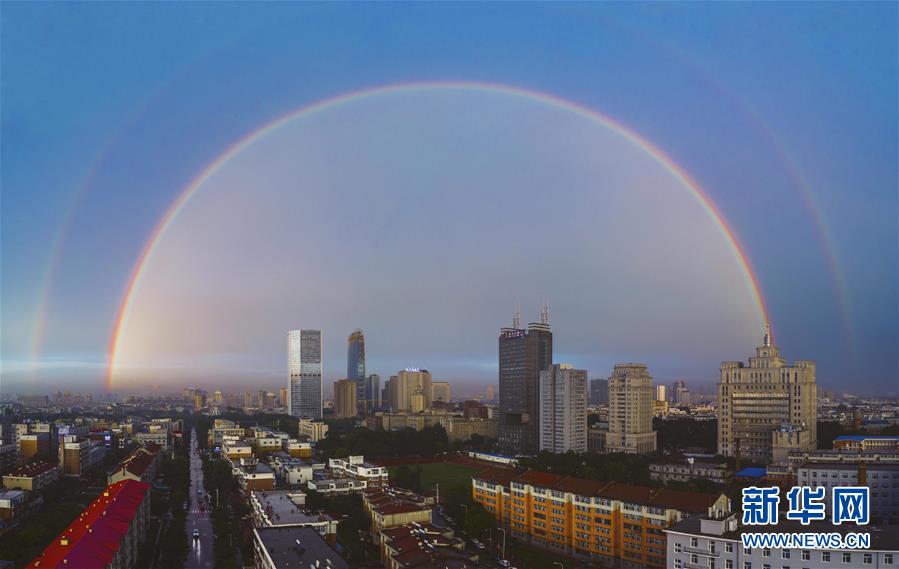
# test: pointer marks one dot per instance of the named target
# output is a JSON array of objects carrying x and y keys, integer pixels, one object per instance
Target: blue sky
[{"x": 108, "y": 110}]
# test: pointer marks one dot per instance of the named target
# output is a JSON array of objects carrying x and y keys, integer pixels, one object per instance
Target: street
[{"x": 201, "y": 553}]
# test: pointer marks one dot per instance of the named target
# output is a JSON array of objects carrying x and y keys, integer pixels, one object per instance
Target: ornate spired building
[
  {"x": 523, "y": 354},
  {"x": 760, "y": 402},
  {"x": 355, "y": 365}
]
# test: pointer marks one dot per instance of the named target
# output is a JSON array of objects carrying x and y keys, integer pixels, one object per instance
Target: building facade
[
  {"x": 355, "y": 365},
  {"x": 523, "y": 354},
  {"x": 714, "y": 541},
  {"x": 440, "y": 391},
  {"x": 758, "y": 399},
  {"x": 630, "y": 410},
  {"x": 345, "y": 392},
  {"x": 599, "y": 391},
  {"x": 563, "y": 409},
  {"x": 410, "y": 390},
  {"x": 304, "y": 368},
  {"x": 613, "y": 522}
]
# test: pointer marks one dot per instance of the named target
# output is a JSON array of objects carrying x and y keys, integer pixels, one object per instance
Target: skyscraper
[
  {"x": 373, "y": 392},
  {"x": 523, "y": 354},
  {"x": 630, "y": 410},
  {"x": 304, "y": 370},
  {"x": 661, "y": 393},
  {"x": 345, "y": 398},
  {"x": 599, "y": 391},
  {"x": 766, "y": 397},
  {"x": 410, "y": 390},
  {"x": 491, "y": 393},
  {"x": 563, "y": 409},
  {"x": 440, "y": 391},
  {"x": 355, "y": 364},
  {"x": 284, "y": 397}
]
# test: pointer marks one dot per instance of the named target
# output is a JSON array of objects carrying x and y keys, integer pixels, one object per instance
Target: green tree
[{"x": 477, "y": 520}]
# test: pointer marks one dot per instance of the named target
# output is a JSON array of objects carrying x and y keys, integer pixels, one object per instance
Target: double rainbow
[{"x": 196, "y": 184}]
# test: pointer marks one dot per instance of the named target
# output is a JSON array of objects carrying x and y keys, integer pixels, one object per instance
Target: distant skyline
[{"x": 661, "y": 174}]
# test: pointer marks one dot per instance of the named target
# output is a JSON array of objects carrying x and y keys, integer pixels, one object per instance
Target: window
[
  {"x": 867, "y": 559},
  {"x": 747, "y": 565},
  {"x": 847, "y": 557},
  {"x": 677, "y": 547},
  {"x": 806, "y": 555},
  {"x": 766, "y": 552},
  {"x": 694, "y": 559},
  {"x": 729, "y": 547},
  {"x": 728, "y": 564},
  {"x": 694, "y": 542},
  {"x": 825, "y": 556},
  {"x": 888, "y": 558},
  {"x": 785, "y": 554}
]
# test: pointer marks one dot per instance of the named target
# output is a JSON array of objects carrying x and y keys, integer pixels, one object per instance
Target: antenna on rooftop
[
  {"x": 516, "y": 317},
  {"x": 544, "y": 314}
]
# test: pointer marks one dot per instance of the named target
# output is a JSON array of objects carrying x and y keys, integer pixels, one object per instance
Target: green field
[{"x": 448, "y": 475}]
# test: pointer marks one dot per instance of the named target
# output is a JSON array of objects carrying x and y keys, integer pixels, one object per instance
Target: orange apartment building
[{"x": 588, "y": 518}]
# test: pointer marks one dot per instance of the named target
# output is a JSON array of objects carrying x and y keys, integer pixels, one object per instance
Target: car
[
  {"x": 504, "y": 563},
  {"x": 199, "y": 492},
  {"x": 196, "y": 534}
]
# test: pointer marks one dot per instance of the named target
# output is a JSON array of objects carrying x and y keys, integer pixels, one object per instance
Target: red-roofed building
[
  {"x": 106, "y": 535},
  {"x": 609, "y": 521},
  {"x": 140, "y": 465},
  {"x": 32, "y": 476},
  {"x": 389, "y": 507},
  {"x": 424, "y": 546}
]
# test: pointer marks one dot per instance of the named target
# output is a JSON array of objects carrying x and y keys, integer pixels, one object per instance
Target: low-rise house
[
  {"x": 356, "y": 467},
  {"x": 684, "y": 469},
  {"x": 423, "y": 546},
  {"x": 33, "y": 476},
  {"x": 336, "y": 486},
  {"x": 389, "y": 507},
  {"x": 235, "y": 449},
  {"x": 141, "y": 465}
]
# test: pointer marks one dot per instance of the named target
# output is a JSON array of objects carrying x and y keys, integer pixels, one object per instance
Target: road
[{"x": 201, "y": 553}]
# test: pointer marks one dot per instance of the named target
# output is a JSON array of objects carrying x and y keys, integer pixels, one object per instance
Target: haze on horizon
[{"x": 423, "y": 219}]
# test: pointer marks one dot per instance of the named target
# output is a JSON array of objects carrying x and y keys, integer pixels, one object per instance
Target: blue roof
[
  {"x": 752, "y": 472},
  {"x": 863, "y": 437}
]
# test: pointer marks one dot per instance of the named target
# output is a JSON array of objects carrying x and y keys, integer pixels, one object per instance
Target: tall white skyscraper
[
  {"x": 563, "y": 409},
  {"x": 304, "y": 371}
]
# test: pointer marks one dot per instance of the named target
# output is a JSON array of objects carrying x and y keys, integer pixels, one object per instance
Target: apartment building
[
  {"x": 609, "y": 521},
  {"x": 882, "y": 479},
  {"x": 313, "y": 431},
  {"x": 33, "y": 476},
  {"x": 714, "y": 542},
  {"x": 866, "y": 443},
  {"x": 108, "y": 532},
  {"x": 355, "y": 467},
  {"x": 630, "y": 411},
  {"x": 280, "y": 508},
  {"x": 288, "y": 547},
  {"x": 389, "y": 507},
  {"x": 422, "y": 546},
  {"x": 685, "y": 469}
]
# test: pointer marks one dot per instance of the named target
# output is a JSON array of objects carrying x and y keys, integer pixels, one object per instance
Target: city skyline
[{"x": 356, "y": 194}]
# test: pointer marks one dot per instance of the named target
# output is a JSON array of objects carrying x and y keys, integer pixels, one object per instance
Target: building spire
[
  {"x": 766, "y": 341},
  {"x": 516, "y": 317},
  {"x": 544, "y": 314}
]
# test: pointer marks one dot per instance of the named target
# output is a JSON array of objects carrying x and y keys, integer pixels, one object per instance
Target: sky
[{"x": 424, "y": 214}]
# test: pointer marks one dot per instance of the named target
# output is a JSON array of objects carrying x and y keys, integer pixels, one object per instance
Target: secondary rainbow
[{"x": 196, "y": 184}]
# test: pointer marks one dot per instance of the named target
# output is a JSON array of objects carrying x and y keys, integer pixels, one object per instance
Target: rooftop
[
  {"x": 867, "y": 437},
  {"x": 33, "y": 469},
  {"x": 292, "y": 547},
  {"x": 282, "y": 511},
  {"x": 92, "y": 540}
]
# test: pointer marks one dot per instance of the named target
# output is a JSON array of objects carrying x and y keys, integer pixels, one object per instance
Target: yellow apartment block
[{"x": 588, "y": 518}]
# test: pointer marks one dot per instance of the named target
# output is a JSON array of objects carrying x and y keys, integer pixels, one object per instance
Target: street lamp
[{"x": 504, "y": 541}]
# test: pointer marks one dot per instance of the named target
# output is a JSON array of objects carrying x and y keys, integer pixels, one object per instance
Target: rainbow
[{"x": 196, "y": 184}]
